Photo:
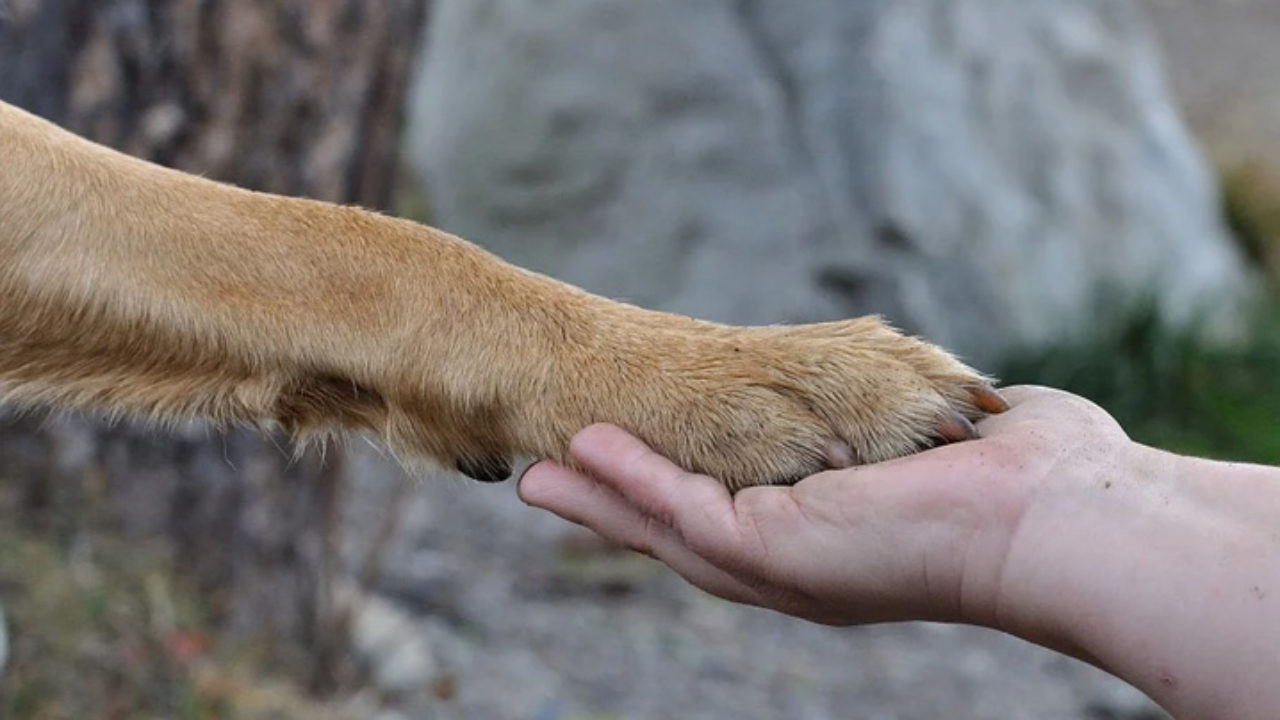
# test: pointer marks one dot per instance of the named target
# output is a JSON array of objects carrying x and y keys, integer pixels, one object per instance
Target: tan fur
[{"x": 132, "y": 288}]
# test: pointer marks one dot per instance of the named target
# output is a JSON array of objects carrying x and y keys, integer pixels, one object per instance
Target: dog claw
[
  {"x": 988, "y": 400},
  {"x": 839, "y": 455},
  {"x": 957, "y": 428},
  {"x": 490, "y": 469}
]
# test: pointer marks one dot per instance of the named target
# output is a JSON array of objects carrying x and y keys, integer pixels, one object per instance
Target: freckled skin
[{"x": 132, "y": 288}]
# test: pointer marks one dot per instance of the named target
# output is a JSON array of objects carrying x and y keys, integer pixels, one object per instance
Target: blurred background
[{"x": 1081, "y": 193}]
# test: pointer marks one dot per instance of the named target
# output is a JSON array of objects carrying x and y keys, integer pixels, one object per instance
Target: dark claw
[
  {"x": 957, "y": 428},
  {"x": 489, "y": 469},
  {"x": 988, "y": 400}
]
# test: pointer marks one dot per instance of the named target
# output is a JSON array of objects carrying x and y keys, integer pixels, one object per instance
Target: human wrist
[
  {"x": 1152, "y": 566},
  {"x": 1085, "y": 533}
]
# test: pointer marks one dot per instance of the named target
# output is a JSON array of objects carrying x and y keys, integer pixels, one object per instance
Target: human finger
[
  {"x": 584, "y": 501},
  {"x": 700, "y": 509}
]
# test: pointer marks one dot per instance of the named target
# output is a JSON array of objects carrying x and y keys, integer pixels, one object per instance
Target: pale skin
[{"x": 1054, "y": 527}]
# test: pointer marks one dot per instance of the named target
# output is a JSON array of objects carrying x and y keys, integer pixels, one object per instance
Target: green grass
[{"x": 1170, "y": 390}]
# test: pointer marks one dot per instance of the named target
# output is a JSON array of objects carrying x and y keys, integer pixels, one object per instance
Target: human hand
[
  {"x": 924, "y": 537},
  {"x": 1053, "y": 526}
]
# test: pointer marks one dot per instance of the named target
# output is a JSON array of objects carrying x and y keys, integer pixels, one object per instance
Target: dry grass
[
  {"x": 107, "y": 630},
  {"x": 1251, "y": 204}
]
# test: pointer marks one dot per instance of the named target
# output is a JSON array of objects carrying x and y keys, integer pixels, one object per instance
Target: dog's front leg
[
  {"x": 133, "y": 288},
  {"x": 127, "y": 287}
]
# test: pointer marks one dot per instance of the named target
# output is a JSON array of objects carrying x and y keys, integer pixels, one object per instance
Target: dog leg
[{"x": 131, "y": 288}]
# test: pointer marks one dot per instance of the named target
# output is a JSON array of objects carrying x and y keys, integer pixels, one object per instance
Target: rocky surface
[{"x": 990, "y": 174}]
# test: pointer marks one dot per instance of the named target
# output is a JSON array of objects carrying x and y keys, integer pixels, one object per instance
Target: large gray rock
[{"x": 990, "y": 173}]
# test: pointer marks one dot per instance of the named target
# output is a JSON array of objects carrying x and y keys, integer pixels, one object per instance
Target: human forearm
[{"x": 1165, "y": 570}]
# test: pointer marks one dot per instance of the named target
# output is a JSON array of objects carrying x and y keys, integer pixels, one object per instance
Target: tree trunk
[{"x": 301, "y": 97}]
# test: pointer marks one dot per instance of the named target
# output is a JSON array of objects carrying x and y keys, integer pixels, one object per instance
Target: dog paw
[{"x": 772, "y": 405}]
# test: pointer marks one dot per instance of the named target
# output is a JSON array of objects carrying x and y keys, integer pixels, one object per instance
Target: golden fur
[{"x": 133, "y": 288}]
